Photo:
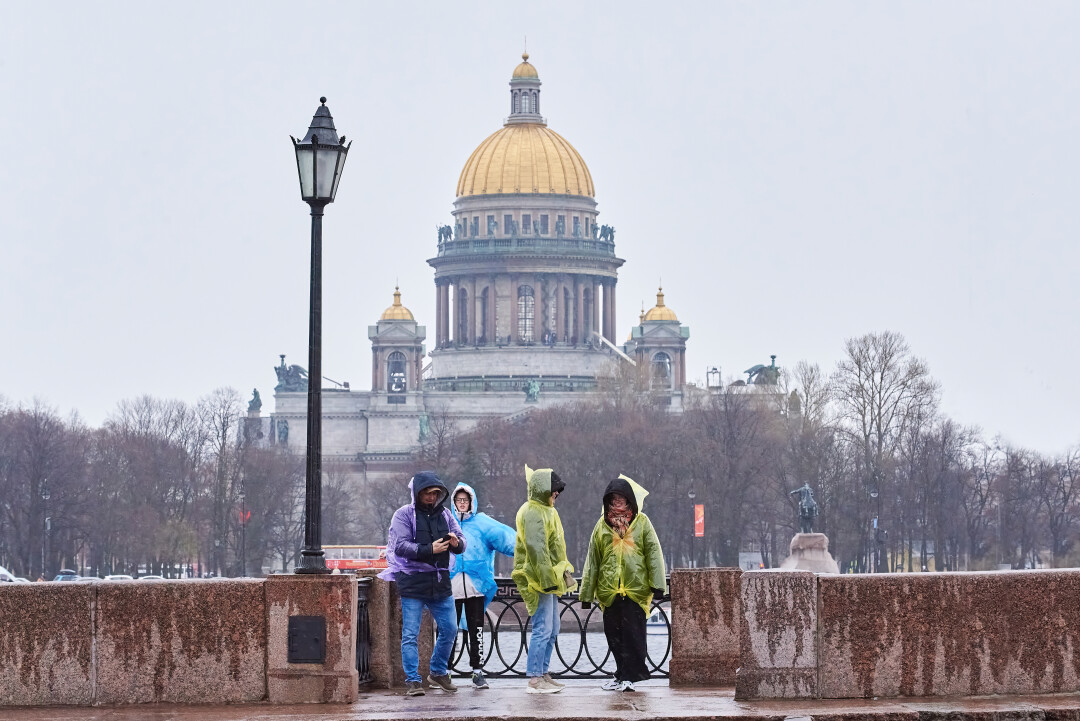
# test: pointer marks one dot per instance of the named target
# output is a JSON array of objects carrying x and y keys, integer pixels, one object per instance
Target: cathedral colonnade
[{"x": 523, "y": 308}]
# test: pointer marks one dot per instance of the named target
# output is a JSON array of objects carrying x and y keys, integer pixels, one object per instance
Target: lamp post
[
  {"x": 693, "y": 528},
  {"x": 243, "y": 530},
  {"x": 46, "y": 526},
  {"x": 320, "y": 157}
]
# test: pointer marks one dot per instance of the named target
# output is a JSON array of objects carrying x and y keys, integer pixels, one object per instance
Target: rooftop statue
[
  {"x": 808, "y": 508},
  {"x": 532, "y": 391},
  {"x": 255, "y": 404},
  {"x": 291, "y": 379}
]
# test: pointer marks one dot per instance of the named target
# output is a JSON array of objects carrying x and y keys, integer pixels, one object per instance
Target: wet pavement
[{"x": 584, "y": 701}]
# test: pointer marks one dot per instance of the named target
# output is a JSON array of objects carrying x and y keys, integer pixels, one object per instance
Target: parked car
[
  {"x": 118, "y": 577},
  {"x": 20, "y": 579},
  {"x": 6, "y": 576},
  {"x": 152, "y": 577},
  {"x": 66, "y": 574}
]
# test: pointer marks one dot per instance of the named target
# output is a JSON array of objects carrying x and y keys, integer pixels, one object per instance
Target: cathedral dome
[
  {"x": 525, "y": 158},
  {"x": 397, "y": 311},
  {"x": 524, "y": 70},
  {"x": 660, "y": 311}
]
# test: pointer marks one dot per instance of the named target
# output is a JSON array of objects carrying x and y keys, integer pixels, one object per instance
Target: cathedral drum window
[
  {"x": 661, "y": 370},
  {"x": 526, "y": 312}
]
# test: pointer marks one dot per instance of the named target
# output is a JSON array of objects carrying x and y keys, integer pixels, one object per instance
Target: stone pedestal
[
  {"x": 705, "y": 617},
  {"x": 810, "y": 552},
  {"x": 332, "y": 597}
]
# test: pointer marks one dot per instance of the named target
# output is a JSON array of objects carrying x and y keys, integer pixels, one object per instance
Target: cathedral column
[
  {"x": 560, "y": 309},
  {"x": 438, "y": 315},
  {"x": 444, "y": 319},
  {"x": 579, "y": 309},
  {"x": 611, "y": 309},
  {"x": 513, "y": 309},
  {"x": 492, "y": 332},
  {"x": 606, "y": 315},
  {"x": 595, "y": 309},
  {"x": 682, "y": 370},
  {"x": 456, "y": 312},
  {"x": 473, "y": 300},
  {"x": 374, "y": 369}
]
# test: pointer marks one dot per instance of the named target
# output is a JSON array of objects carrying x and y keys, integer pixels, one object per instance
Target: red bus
[{"x": 353, "y": 558}]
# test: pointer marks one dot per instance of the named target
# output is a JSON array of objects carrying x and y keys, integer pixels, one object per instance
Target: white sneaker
[
  {"x": 612, "y": 685},
  {"x": 537, "y": 684},
  {"x": 626, "y": 686}
]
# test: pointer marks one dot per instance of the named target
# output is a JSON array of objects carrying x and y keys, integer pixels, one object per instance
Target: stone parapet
[
  {"x": 778, "y": 640},
  {"x": 950, "y": 634},
  {"x": 333, "y": 598},
  {"x": 705, "y": 620},
  {"x": 384, "y": 613},
  {"x": 180, "y": 642},
  {"x": 46, "y": 644}
]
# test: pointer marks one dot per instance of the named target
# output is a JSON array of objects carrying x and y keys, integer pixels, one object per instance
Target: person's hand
[
  {"x": 454, "y": 542},
  {"x": 439, "y": 546}
]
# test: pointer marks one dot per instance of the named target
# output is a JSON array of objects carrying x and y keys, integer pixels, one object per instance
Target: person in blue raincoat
[{"x": 473, "y": 574}]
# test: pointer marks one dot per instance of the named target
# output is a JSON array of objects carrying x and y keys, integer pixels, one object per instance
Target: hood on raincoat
[
  {"x": 473, "y": 508},
  {"x": 425, "y": 480},
  {"x": 630, "y": 565},
  {"x": 629, "y": 489},
  {"x": 540, "y": 563}
]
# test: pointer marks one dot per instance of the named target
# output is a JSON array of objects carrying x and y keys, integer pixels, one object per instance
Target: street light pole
[
  {"x": 46, "y": 526},
  {"x": 243, "y": 531},
  {"x": 320, "y": 158},
  {"x": 693, "y": 528}
]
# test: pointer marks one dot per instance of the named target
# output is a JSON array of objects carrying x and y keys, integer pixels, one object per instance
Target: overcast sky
[{"x": 798, "y": 173}]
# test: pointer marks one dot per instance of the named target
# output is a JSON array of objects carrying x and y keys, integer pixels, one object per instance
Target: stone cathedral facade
[{"x": 525, "y": 305}]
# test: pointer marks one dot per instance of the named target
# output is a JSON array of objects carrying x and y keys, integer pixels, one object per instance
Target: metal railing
[{"x": 581, "y": 649}]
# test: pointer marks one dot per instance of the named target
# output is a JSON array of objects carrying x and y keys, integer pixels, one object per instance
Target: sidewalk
[{"x": 584, "y": 701}]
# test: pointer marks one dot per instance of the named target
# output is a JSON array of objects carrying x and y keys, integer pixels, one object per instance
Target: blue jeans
[
  {"x": 442, "y": 610},
  {"x": 545, "y": 631}
]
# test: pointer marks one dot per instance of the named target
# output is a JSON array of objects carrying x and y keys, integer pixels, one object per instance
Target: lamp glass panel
[
  {"x": 342, "y": 154},
  {"x": 305, "y": 158},
  {"x": 325, "y": 167}
]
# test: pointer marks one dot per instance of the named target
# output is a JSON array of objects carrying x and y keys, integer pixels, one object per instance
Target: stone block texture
[
  {"x": 333, "y": 597},
  {"x": 46, "y": 641},
  {"x": 706, "y": 616},
  {"x": 778, "y": 638},
  {"x": 384, "y": 612},
  {"x": 180, "y": 642},
  {"x": 950, "y": 634}
]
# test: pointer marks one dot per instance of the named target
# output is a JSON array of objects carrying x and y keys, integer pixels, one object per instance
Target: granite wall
[
  {"x": 909, "y": 635},
  {"x": 706, "y": 612},
  {"x": 192, "y": 641}
]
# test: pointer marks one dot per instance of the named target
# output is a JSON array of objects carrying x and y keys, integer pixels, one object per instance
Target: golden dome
[
  {"x": 525, "y": 70},
  {"x": 397, "y": 311},
  {"x": 660, "y": 311},
  {"x": 525, "y": 158}
]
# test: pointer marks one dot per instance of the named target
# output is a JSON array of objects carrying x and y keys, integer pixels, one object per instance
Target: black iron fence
[{"x": 581, "y": 649}]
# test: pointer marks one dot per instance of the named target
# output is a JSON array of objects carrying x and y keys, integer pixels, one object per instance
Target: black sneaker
[
  {"x": 478, "y": 680},
  {"x": 442, "y": 682},
  {"x": 414, "y": 688}
]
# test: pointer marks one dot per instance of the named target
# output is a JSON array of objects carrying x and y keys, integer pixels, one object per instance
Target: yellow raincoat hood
[
  {"x": 540, "y": 563},
  {"x": 631, "y": 565}
]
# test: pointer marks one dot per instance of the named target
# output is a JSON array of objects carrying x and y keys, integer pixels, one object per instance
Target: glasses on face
[{"x": 462, "y": 501}]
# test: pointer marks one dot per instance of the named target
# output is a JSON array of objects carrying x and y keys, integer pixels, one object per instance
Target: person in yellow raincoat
[
  {"x": 542, "y": 572},
  {"x": 623, "y": 571}
]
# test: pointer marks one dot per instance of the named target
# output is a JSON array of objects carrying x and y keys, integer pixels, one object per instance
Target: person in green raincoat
[
  {"x": 623, "y": 571},
  {"x": 542, "y": 572}
]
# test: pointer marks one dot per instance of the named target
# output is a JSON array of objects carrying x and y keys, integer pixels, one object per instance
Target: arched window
[
  {"x": 525, "y": 103},
  {"x": 517, "y": 103},
  {"x": 526, "y": 302},
  {"x": 661, "y": 370},
  {"x": 396, "y": 378}
]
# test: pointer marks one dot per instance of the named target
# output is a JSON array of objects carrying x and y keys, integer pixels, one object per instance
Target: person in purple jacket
[{"x": 422, "y": 536}]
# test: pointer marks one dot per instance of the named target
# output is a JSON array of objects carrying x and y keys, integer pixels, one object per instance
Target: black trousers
[
  {"x": 624, "y": 626},
  {"x": 474, "y": 622}
]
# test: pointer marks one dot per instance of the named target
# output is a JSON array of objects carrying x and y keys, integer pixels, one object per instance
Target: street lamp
[
  {"x": 243, "y": 530},
  {"x": 693, "y": 527},
  {"x": 320, "y": 157},
  {"x": 46, "y": 527}
]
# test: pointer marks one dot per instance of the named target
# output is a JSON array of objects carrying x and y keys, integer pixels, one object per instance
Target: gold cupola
[
  {"x": 525, "y": 156},
  {"x": 660, "y": 311},
  {"x": 397, "y": 311}
]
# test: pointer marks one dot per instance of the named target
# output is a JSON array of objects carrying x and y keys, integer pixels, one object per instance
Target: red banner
[{"x": 699, "y": 520}]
